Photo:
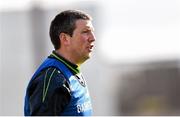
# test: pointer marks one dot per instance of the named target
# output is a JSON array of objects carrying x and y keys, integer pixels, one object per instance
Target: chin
[
  {"x": 89, "y": 55},
  {"x": 86, "y": 57}
]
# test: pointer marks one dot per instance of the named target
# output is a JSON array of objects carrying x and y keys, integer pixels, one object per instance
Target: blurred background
[{"x": 135, "y": 66}]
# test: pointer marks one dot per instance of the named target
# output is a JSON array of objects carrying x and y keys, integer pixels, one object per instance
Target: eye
[{"x": 86, "y": 31}]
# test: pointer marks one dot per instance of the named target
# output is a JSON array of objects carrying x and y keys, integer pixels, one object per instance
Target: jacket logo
[{"x": 81, "y": 80}]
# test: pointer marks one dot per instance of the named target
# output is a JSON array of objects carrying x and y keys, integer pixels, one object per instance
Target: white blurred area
[
  {"x": 135, "y": 66},
  {"x": 141, "y": 30}
]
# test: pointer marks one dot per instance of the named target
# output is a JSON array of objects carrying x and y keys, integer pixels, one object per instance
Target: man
[{"x": 58, "y": 87}]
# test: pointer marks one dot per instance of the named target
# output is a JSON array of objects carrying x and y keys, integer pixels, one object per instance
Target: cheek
[
  {"x": 81, "y": 41},
  {"x": 84, "y": 38}
]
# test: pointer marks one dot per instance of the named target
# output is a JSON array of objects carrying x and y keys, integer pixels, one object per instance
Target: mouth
[{"x": 90, "y": 48}]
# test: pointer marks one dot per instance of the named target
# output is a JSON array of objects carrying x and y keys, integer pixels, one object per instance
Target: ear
[{"x": 64, "y": 38}]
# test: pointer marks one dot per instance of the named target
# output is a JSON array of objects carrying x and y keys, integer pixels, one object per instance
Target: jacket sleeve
[{"x": 49, "y": 93}]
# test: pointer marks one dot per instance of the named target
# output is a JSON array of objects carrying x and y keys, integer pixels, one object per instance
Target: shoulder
[
  {"x": 49, "y": 80},
  {"x": 50, "y": 76}
]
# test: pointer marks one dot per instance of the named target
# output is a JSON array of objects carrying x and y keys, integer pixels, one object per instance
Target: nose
[{"x": 92, "y": 37}]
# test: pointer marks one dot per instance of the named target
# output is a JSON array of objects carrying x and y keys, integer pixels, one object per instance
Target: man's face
[{"x": 82, "y": 40}]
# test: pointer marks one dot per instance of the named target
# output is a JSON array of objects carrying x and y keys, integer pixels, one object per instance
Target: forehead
[{"x": 81, "y": 24}]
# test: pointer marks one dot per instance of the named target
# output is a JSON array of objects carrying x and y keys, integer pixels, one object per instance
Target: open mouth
[{"x": 90, "y": 48}]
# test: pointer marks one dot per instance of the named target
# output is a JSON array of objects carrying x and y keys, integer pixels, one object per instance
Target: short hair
[{"x": 64, "y": 22}]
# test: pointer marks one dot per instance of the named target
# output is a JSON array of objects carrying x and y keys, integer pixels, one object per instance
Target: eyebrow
[{"x": 90, "y": 28}]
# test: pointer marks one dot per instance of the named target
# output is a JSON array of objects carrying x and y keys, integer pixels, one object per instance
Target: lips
[{"x": 90, "y": 47}]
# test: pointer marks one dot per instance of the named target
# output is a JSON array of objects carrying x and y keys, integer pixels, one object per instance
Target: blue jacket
[{"x": 80, "y": 102}]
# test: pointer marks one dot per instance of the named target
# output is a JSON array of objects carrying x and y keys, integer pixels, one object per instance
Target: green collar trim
[{"x": 75, "y": 70}]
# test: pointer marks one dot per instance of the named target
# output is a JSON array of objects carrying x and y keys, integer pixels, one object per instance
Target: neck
[{"x": 68, "y": 57}]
